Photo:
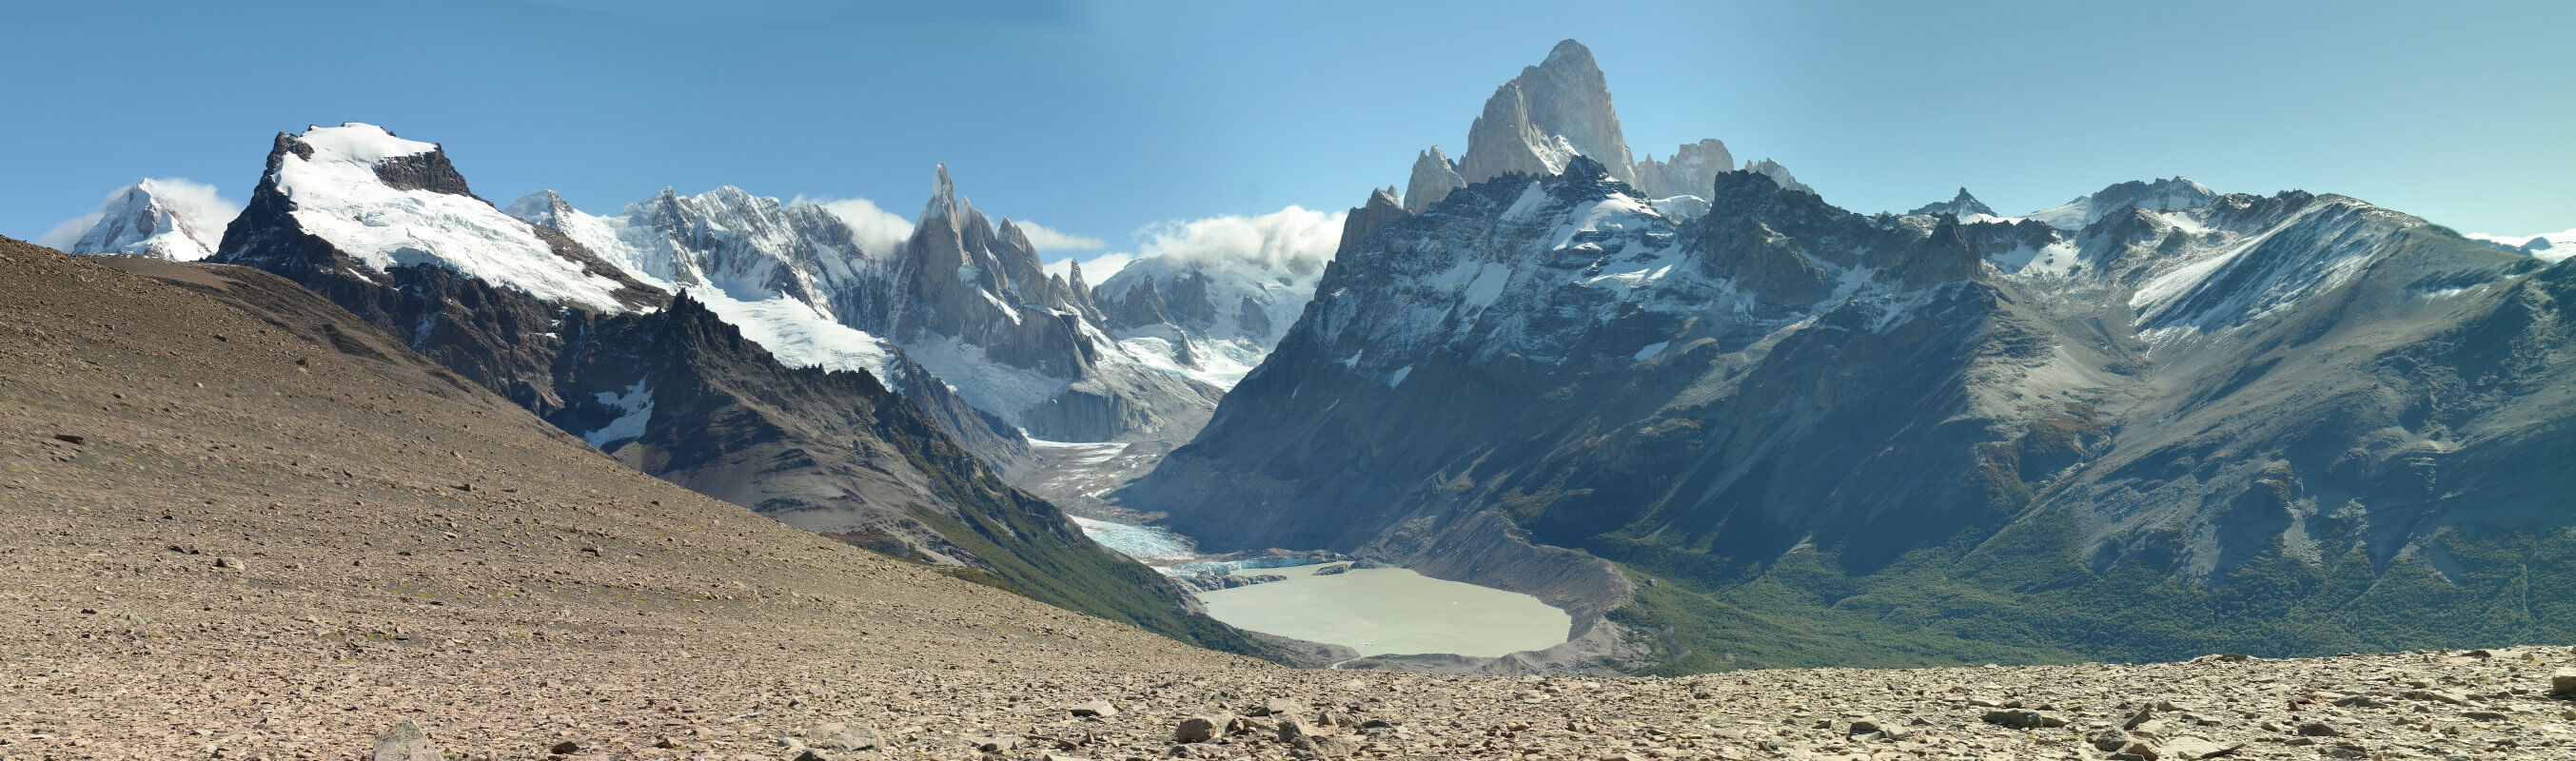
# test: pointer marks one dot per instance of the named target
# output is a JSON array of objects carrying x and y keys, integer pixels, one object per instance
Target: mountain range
[
  {"x": 1720, "y": 420},
  {"x": 2157, "y": 420}
]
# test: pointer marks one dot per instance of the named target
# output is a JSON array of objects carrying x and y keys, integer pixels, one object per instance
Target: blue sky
[{"x": 1098, "y": 119}]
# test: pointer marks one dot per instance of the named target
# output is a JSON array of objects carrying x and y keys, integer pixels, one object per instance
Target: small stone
[
  {"x": 565, "y": 748},
  {"x": 2319, "y": 729},
  {"x": 1279, "y": 707},
  {"x": 1096, "y": 708},
  {"x": 2562, "y": 681},
  {"x": 406, "y": 742},
  {"x": 231, "y": 562},
  {"x": 993, "y": 744}
]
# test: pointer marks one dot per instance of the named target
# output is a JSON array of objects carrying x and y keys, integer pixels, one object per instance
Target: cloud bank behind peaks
[
  {"x": 879, "y": 231},
  {"x": 1293, "y": 240},
  {"x": 1056, "y": 240}
]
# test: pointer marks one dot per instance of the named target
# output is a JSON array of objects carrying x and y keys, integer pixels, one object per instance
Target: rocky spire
[
  {"x": 1693, "y": 167},
  {"x": 1960, "y": 206},
  {"x": 1779, "y": 174},
  {"x": 1380, "y": 207},
  {"x": 1434, "y": 175},
  {"x": 1561, "y": 105},
  {"x": 943, "y": 198}
]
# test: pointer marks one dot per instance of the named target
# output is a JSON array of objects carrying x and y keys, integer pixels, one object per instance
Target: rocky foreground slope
[{"x": 222, "y": 538}]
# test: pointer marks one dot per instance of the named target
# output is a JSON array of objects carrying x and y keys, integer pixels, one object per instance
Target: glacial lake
[{"x": 1380, "y": 611}]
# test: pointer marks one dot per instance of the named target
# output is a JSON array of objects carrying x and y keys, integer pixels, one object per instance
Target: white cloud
[
  {"x": 200, "y": 206},
  {"x": 1293, "y": 239},
  {"x": 1055, "y": 240},
  {"x": 70, "y": 231},
  {"x": 879, "y": 231},
  {"x": 2562, "y": 245}
]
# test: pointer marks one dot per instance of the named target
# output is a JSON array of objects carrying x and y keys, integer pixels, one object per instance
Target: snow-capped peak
[
  {"x": 167, "y": 218},
  {"x": 360, "y": 143},
  {"x": 2169, "y": 194},
  {"x": 389, "y": 202},
  {"x": 543, "y": 207}
]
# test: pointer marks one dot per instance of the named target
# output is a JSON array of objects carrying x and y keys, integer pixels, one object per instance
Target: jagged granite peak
[
  {"x": 1688, "y": 173},
  {"x": 1550, "y": 112},
  {"x": 1778, "y": 173},
  {"x": 1964, "y": 206},
  {"x": 780, "y": 273},
  {"x": 2169, "y": 194},
  {"x": 144, "y": 219},
  {"x": 1434, "y": 175}
]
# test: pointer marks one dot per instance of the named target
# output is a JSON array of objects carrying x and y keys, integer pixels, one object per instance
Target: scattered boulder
[
  {"x": 2022, "y": 718},
  {"x": 842, "y": 736},
  {"x": 2563, "y": 681},
  {"x": 1292, "y": 729},
  {"x": 564, "y": 748},
  {"x": 1344, "y": 568},
  {"x": 233, "y": 563},
  {"x": 406, "y": 742},
  {"x": 1279, "y": 707},
  {"x": 1199, "y": 729},
  {"x": 1097, "y": 708}
]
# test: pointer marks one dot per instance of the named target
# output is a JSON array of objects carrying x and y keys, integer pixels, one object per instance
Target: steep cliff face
[
  {"x": 1434, "y": 177},
  {"x": 1551, "y": 112}
]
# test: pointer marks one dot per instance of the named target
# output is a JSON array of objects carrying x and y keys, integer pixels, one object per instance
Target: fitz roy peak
[
  {"x": 651, "y": 337},
  {"x": 2286, "y": 424}
]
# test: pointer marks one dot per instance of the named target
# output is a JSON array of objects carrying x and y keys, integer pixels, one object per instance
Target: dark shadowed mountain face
[{"x": 2299, "y": 423}]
